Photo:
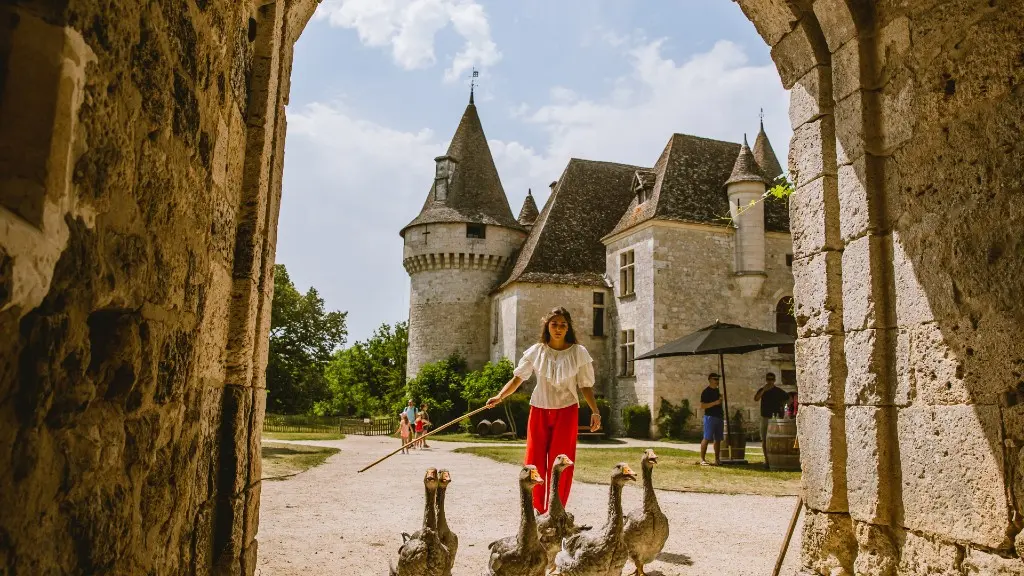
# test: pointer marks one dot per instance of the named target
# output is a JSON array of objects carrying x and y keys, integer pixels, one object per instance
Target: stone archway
[{"x": 140, "y": 156}]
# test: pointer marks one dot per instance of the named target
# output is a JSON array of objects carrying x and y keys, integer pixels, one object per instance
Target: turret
[
  {"x": 528, "y": 214},
  {"x": 456, "y": 250},
  {"x": 765, "y": 157},
  {"x": 746, "y": 186}
]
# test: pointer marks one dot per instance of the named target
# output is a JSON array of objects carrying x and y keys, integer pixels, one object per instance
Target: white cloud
[
  {"x": 351, "y": 184},
  {"x": 409, "y": 27}
]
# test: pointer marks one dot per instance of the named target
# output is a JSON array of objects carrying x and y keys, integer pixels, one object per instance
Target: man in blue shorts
[{"x": 711, "y": 403}]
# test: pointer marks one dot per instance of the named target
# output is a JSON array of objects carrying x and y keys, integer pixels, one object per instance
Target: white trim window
[
  {"x": 626, "y": 349},
  {"x": 627, "y": 273}
]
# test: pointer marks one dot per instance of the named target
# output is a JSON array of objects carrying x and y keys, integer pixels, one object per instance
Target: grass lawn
[
  {"x": 466, "y": 437},
  {"x": 281, "y": 460},
  {"x": 303, "y": 436},
  {"x": 676, "y": 470}
]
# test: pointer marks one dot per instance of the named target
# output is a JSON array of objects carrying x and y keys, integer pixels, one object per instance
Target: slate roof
[
  {"x": 765, "y": 156},
  {"x": 564, "y": 246},
  {"x": 475, "y": 194},
  {"x": 529, "y": 213},
  {"x": 746, "y": 169},
  {"x": 690, "y": 187}
]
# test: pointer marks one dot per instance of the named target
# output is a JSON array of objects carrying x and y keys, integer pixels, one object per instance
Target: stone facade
[
  {"x": 685, "y": 279},
  {"x": 140, "y": 161}
]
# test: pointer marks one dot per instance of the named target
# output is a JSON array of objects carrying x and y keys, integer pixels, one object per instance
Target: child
[
  {"x": 419, "y": 431},
  {"x": 561, "y": 365},
  {"x": 405, "y": 430}
]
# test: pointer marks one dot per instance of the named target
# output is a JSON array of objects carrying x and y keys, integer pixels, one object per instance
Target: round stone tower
[{"x": 457, "y": 250}]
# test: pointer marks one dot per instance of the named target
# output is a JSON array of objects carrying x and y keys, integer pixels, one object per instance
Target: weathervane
[{"x": 472, "y": 83}]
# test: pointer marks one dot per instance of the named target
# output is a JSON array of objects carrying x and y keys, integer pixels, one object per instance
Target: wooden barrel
[
  {"x": 498, "y": 427},
  {"x": 735, "y": 440},
  {"x": 783, "y": 450},
  {"x": 483, "y": 428}
]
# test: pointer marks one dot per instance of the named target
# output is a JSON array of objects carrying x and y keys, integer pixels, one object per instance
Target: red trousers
[{"x": 550, "y": 433}]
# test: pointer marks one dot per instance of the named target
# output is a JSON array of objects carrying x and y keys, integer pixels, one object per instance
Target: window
[
  {"x": 643, "y": 187},
  {"x": 476, "y": 231},
  {"x": 598, "y": 313},
  {"x": 785, "y": 322},
  {"x": 626, "y": 368},
  {"x": 626, "y": 273}
]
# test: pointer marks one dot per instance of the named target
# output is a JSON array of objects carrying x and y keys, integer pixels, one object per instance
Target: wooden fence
[{"x": 379, "y": 426}]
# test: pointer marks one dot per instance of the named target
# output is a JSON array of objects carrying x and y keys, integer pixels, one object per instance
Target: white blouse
[{"x": 559, "y": 373}]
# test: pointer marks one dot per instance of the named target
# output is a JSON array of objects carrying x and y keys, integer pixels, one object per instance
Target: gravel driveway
[{"x": 331, "y": 521}]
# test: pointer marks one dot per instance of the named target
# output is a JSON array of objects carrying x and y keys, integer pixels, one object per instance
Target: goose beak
[
  {"x": 568, "y": 462},
  {"x": 535, "y": 476},
  {"x": 629, "y": 472},
  {"x": 652, "y": 457}
]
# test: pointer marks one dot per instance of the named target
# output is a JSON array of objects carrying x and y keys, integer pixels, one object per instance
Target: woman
[
  {"x": 561, "y": 365},
  {"x": 426, "y": 423}
]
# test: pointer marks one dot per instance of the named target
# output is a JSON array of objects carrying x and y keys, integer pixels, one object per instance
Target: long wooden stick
[
  {"x": 432, "y": 432},
  {"x": 789, "y": 536}
]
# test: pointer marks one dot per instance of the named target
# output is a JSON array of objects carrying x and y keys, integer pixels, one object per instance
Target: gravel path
[{"x": 331, "y": 521}]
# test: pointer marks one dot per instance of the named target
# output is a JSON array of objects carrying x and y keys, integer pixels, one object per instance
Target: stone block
[
  {"x": 252, "y": 513},
  {"x": 814, "y": 217},
  {"x": 925, "y": 555},
  {"x": 933, "y": 372},
  {"x": 868, "y": 381},
  {"x": 812, "y": 151},
  {"x": 235, "y": 448},
  {"x": 840, "y": 20},
  {"x": 897, "y": 117},
  {"x": 980, "y": 562},
  {"x": 828, "y": 545},
  {"x": 817, "y": 287},
  {"x": 259, "y": 409},
  {"x": 856, "y": 121},
  {"x": 952, "y": 469},
  {"x": 912, "y": 304},
  {"x": 864, "y": 265},
  {"x": 811, "y": 96},
  {"x": 799, "y": 51},
  {"x": 869, "y": 463},
  {"x": 821, "y": 369},
  {"x": 850, "y": 68},
  {"x": 822, "y": 458},
  {"x": 859, "y": 192},
  {"x": 773, "y": 19},
  {"x": 877, "y": 554}
]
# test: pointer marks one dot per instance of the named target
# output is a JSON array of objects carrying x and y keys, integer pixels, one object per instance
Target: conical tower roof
[
  {"x": 528, "y": 215},
  {"x": 746, "y": 168},
  {"x": 765, "y": 156},
  {"x": 474, "y": 193}
]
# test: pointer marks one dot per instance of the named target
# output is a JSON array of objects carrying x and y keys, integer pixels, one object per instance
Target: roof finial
[
  {"x": 745, "y": 140},
  {"x": 529, "y": 191},
  {"x": 762, "y": 119},
  {"x": 472, "y": 83}
]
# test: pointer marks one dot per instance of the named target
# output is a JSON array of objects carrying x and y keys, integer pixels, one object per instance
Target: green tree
[
  {"x": 439, "y": 384},
  {"x": 368, "y": 378},
  {"x": 303, "y": 336},
  {"x": 486, "y": 382}
]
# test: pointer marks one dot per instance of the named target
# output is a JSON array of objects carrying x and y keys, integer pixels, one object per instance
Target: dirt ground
[{"x": 332, "y": 521}]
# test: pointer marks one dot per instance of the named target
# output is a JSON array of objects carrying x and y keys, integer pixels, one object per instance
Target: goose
[
  {"x": 556, "y": 524},
  {"x": 601, "y": 553},
  {"x": 646, "y": 528},
  {"x": 448, "y": 538},
  {"x": 522, "y": 554},
  {"x": 423, "y": 554}
]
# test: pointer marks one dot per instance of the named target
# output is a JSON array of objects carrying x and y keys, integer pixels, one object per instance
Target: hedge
[{"x": 636, "y": 419}]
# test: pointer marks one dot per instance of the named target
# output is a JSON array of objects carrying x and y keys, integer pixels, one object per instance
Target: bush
[
  {"x": 487, "y": 381},
  {"x": 672, "y": 419},
  {"x": 439, "y": 384},
  {"x": 636, "y": 419}
]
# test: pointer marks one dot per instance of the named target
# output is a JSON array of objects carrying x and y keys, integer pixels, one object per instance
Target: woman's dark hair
[{"x": 570, "y": 335}]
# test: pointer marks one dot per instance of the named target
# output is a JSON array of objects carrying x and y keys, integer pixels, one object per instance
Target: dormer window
[
  {"x": 443, "y": 171},
  {"x": 643, "y": 186}
]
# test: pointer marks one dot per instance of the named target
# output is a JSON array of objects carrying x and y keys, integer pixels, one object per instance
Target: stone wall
[
  {"x": 451, "y": 278},
  {"x": 685, "y": 281},
  {"x": 524, "y": 306},
  {"x": 907, "y": 162},
  {"x": 140, "y": 161}
]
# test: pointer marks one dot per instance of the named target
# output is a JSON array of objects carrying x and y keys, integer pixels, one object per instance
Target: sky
[{"x": 378, "y": 88}]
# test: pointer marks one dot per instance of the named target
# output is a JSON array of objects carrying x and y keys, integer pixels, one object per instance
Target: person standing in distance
[
  {"x": 714, "y": 425},
  {"x": 773, "y": 401},
  {"x": 561, "y": 365}
]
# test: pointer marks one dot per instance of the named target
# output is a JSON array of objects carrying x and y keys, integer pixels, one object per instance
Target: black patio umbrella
[{"x": 720, "y": 339}]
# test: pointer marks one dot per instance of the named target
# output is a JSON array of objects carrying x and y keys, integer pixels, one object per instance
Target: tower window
[
  {"x": 626, "y": 348},
  {"x": 598, "y": 313},
  {"x": 627, "y": 273},
  {"x": 789, "y": 260},
  {"x": 476, "y": 231}
]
